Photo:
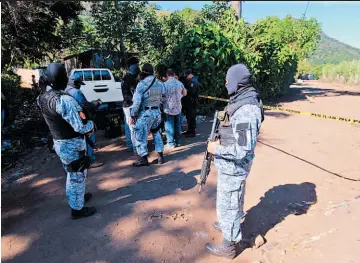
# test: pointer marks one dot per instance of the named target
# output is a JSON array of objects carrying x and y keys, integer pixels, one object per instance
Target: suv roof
[{"x": 91, "y": 69}]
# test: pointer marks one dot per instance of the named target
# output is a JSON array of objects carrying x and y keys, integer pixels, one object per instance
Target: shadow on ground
[
  {"x": 276, "y": 204},
  {"x": 35, "y": 212},
  {"x": 301, "y": 93}
]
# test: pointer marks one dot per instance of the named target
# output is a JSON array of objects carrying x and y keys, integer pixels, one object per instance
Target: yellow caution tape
[{"x": 316, "y": 115}]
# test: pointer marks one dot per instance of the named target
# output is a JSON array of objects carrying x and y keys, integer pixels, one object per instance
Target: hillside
[{"x": 332, "y": 51}]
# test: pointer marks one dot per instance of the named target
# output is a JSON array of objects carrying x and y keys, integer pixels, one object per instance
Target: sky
[{"x": 339, "y": 19}]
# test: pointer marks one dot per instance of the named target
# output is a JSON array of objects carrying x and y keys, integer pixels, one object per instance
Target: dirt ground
[{"x": 295, "y": 196}]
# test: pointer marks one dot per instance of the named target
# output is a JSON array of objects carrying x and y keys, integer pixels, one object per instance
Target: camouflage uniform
[
  {"x": 147, "y": 119},
  {"x": 70, "y": 150},
  {"x": 233, "y": 163},
  {"x": 83, "y": 102}
]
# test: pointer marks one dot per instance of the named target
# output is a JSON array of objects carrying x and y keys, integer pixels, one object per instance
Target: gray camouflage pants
[
  {"x": 149, "y": 119},
  {"x": 230, "y": 205}
]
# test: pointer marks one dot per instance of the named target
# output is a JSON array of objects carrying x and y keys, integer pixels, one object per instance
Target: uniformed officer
[
  {"x": 234, "y": 153},
  {"x": 190, "y": 102},
  {"x": 89, "y": 108},
  {"x": 128, "y": 87},
  {"x": 146, "y": 115},
  {"x": 68, "y": 126}
]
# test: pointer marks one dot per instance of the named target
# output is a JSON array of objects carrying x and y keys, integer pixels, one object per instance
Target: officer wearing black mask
[{"x": 68, "y": 126}]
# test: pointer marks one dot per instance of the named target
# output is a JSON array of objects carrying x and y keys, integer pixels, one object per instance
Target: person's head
[
  {"x": 42, "y": 82},
  {"x": 56, "y": 76},
  {"x": 76, "y": 82},
  {"x": 188, "y": 74},
  {"x": 238, "y": 76},
  {"x": 33, "y": 76},
  {"x": 134, "y": 70},
  {"x": 176, "y": 75},
  {"x": 170, "y": 73},
  {"x": 146, "y": 70},
  {"x": 133, "y": 60}
]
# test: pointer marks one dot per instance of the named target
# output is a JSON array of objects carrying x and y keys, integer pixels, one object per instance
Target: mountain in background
[{"x": 332, "y": 51}]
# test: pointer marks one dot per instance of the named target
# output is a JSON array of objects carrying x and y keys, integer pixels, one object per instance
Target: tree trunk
[
  {"x": 120, "y": 38},
  {"x": 123, "y": 51}
]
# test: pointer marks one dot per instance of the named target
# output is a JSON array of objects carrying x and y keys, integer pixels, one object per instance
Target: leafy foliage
[
  {"x": 215, "y": 11},
  {"x": 209, "y": 53},
  {"x": 10, "y": 87},
  {"x": 344, "y": 72},
  {"x": 271, "y": 48},
  {"x": 117, "y": 23},
  {"x": 209, "y": 41},
  {"x": 33, "y": 29},
  {"x": 190, "y": 17}
]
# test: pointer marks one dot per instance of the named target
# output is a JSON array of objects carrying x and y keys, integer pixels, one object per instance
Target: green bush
[
  {"x": 15, "y": 96},
  {"x": 207, "y": 51},
  {"x": 344, "y": 72},
  {"x": 271, "y": 48}
]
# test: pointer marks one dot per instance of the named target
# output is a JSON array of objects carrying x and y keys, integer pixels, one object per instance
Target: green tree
[
  {"x": 118, "y": 23},
  {"x": 215, "y": 11},
  {"x": 190, "y": 16},
  {"x": 29, "y": 29}
]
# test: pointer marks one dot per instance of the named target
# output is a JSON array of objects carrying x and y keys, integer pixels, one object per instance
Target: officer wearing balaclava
[
  {"x": 240, "y": 123},
  {"x": 68, "y": 126}
]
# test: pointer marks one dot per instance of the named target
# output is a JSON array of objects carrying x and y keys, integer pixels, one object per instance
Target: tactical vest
[
  {"x": 59, "y": 128},
  {"x": 155, "y": 94},
  {"x": 225, "y": 130}
]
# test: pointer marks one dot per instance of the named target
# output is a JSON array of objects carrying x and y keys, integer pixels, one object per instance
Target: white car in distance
[{"x": 99, "y": 84}]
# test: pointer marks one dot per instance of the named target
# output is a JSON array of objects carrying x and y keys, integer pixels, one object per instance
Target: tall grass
[{"x": 344, "y": 72}]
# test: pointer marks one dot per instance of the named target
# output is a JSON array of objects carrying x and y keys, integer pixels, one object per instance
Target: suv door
[
  {"x": 88, "y": 88},
  {"x": 113, "y": 92}
]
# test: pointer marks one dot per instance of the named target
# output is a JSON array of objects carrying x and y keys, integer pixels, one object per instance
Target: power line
[{"x": 304, "y": 15}]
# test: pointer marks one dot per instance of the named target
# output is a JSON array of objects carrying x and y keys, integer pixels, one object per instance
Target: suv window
[
  {"x": 87, "y": 75},
  {"x": 97, "y": 75},
  {"x": 105, "y": 75},
  {"x": 78, "y": 75}
]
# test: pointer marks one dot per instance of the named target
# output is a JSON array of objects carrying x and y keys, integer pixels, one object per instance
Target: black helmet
[
  {"x": 148, "y": 69},
  {"x": 56, "y": 76}
]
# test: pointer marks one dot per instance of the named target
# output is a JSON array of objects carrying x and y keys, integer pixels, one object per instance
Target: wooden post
[{"x": 237, "y": 6}]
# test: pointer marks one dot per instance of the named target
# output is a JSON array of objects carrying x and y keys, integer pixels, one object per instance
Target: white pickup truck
[{"x": 99, "y": 84}]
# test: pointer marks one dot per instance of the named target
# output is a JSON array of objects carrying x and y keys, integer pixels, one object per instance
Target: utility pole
[{"x": 237, "y": 6}]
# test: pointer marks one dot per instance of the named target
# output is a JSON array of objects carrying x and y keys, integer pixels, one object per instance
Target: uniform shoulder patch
[
  {"x": 242, "y": 131},
  {"x": 242, "y": 126}
]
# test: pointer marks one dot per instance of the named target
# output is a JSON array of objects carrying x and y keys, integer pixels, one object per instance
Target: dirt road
[{"x": 294, "y": 197}]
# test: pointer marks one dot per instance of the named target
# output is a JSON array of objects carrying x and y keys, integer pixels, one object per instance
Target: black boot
[
  {"x": 84, "y": 212},
  {"x": 190, "y": 134},
  {"x": 226, "y": 249},
  {"x": 87, "y": 197},
  {"x": 143, "y": 161},
  {"x": 160, "y": 159},
  {"x": 216, "y": 225}
]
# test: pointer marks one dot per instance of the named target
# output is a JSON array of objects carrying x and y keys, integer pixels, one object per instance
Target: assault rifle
[{"x": 205, "y": 169}]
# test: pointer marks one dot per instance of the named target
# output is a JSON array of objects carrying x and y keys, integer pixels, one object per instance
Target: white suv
[{"x": 99, "y": 84}]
